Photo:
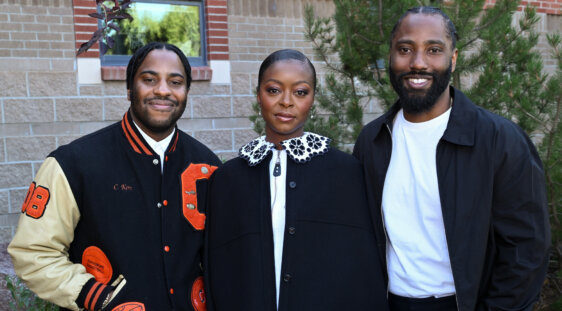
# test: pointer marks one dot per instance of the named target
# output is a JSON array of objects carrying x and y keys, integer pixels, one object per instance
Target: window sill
[{"x": 119, "y": 73}]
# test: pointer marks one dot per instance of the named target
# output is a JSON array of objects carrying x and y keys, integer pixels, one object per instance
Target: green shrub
[{"x": 24, "y": 299}]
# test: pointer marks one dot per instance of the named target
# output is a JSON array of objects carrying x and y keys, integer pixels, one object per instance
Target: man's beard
[
  {"x": 155, "y": 127},
  {"x": 413, "y": 103}
]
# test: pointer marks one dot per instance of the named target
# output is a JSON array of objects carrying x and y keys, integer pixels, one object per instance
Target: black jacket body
[{"x": 329, "y": 260}]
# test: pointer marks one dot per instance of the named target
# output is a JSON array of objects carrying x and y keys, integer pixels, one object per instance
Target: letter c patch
[{"x": 189, "y": 177}]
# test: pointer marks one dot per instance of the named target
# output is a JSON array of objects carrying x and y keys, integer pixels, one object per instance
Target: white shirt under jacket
[{"x": 417, "y": 255}]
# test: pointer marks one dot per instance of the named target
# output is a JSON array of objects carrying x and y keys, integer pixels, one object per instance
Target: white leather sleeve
[{"x": 39, "y": 249}]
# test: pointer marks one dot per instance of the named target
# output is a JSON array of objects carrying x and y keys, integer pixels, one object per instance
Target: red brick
[
  {"x": 221, "y": 11},
  {"x": 218, "y": 57},
  {"x": 218, "y": 40},
  {"x": 83, "y": 12},
  {"x": 85, "y": 20},
  {"x": 84, "y": 3},
  {"x": 217, "y": 33},
  {"x": 85, "y": 28},
  {"x": 218, "y": 48},
  {"x": 217, "y": 18},
  {"x": 215, "y": 3},
  {"x": 83, "y": 36},
  {"x": 218, "y": 26}
]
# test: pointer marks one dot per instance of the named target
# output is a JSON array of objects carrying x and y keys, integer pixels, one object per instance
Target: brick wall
[{"x": 542, "y": 6}]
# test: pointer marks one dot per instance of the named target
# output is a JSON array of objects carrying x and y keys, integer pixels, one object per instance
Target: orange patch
[
  {"x": 35, "y": 201},
  {"x": 189, "y": 177},
  {"x": 198, "y": 299},
  {"x": 97, "y": 264},
  {"x": 130, "y": 306}
]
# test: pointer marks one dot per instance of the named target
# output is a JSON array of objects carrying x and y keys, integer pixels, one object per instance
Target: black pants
[{"x": 399, "y": 303}]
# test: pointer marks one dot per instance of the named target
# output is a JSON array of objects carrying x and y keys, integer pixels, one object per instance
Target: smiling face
[
  {"x": 285, "y": 95},
  {"x": 421, "y": 62},
  {"x": 159, "y": 93}
]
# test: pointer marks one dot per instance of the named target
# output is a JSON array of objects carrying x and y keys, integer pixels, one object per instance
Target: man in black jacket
[
  {"x": 460, "y": 193},
  {"x": 113, "y": 220}
]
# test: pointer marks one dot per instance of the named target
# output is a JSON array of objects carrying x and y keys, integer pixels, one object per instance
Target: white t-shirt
[
  {"x": 417, "y": 255},
  {"x": 277, "y": 191}
]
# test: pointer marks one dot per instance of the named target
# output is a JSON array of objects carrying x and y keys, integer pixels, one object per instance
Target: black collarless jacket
[
  {"x": 493, "y": 198},
  {"x": 329, "y": 254}
]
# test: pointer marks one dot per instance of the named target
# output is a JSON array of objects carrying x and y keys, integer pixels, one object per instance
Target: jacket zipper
[
  {"x": 382, "y": 218},
  {"x": 441, "y": 201}
]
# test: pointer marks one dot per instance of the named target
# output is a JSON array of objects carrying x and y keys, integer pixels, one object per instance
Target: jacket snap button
[
  {"x": 165, "y": 202},
  {"x": 291, "y": 230},
  {"x": 166, "y": 248},
  {"x": 159, "y": 205},
  {"x": 286, "y": 277},
  {"x": 204, "y": 170},
  {"x": 171, "y": 291},
  {"x": 155, "y": 161},
  {"x": 292, "y": 185}
]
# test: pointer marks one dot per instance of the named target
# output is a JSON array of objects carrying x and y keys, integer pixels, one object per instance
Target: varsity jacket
[
  {"x": 493, "y": 199},
  {"x": 100, "y": 216},
  {"x": 329, "y": 259}
]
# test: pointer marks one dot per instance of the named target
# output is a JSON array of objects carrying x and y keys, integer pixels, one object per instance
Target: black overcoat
[{"x": 329, "y": 260}]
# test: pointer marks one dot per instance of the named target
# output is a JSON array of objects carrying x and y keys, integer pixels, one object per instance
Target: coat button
[
  {"x": 286, "y": 278},
  {"x": 166, "y": 248},
  {"x": 155, "y": 161},
  {"x": 171, "y": 291},
  {"x": 291, "y": 230},
  {"x": 159, "y": 205},
  {"x": 292, "y": 184},
  {"x": 165, "y": 202},
  {"x": 204, "y": 170}
]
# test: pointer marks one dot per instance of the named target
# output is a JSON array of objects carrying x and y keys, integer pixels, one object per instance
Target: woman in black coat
[{"x": 288, "y": 226}]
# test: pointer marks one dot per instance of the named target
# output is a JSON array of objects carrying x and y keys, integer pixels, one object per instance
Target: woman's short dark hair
[
  {"x": 429, "y": 10},
  {"x": 286, "y": 54},
  {"x": 140, "y": 54}
]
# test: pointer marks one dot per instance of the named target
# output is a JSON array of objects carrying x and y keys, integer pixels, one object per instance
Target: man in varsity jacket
[{"x": 114, "y": 220}]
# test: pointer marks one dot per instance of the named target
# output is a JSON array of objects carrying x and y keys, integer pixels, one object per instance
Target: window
[{"x": 177, "y": 22}]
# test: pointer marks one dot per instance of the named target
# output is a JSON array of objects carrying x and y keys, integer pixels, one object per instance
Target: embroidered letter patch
[
  {"x": 189, "y": 177},
  {"x": 97, "y": 264},
  {"x": 35, "y": 201},
  {"x": 130, "y": 306}
]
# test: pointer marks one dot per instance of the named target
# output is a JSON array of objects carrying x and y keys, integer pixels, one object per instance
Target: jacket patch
[
  {"x": 189, "y": 177},
  {"x": 130, "y": 306},
  {"x": 198, "y": 299},
  {"x": 97, "y": 264},
  {"x": 35, "y": 201}
]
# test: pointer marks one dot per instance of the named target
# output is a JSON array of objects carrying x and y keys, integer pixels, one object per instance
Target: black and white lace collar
[{"x": 300, "y": 149}]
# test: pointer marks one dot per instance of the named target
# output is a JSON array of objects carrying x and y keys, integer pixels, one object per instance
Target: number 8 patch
[{"x": 35, "y": 201}]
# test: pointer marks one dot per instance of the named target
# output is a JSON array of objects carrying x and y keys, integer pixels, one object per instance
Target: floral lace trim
[{"x": 300, "y": 149}]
